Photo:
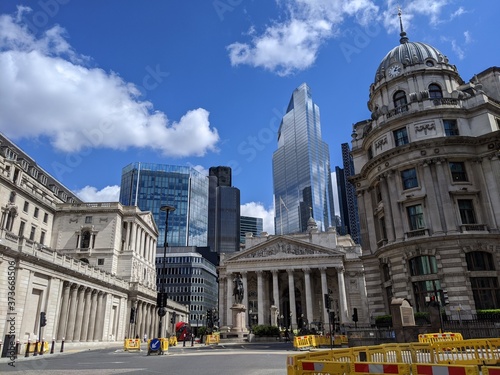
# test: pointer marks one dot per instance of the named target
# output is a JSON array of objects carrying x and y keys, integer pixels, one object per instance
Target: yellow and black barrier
[{"x": 131, "y": 344}]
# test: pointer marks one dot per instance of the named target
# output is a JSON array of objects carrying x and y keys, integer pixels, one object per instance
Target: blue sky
[{"x": 89, "y": 86}]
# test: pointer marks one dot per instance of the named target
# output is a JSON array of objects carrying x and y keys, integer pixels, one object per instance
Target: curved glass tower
[{"x": 301, "y": 168}]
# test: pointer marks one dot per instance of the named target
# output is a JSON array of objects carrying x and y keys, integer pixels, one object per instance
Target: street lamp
[{"x": 163, "y": 294}]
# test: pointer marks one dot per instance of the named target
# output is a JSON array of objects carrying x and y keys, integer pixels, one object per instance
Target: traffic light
[
  {"x": 161, "y": 299},
  {"x": 328, "y": 303},
  {"x": 209, "y": 318},
  {"x": 132, "y": 315},
  {"x": 172, "y": 318},
  {"x": 355, "y": 315},
  {"x": 43, "y": 320}
]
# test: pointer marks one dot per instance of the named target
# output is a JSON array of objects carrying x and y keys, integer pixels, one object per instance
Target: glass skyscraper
[
  {"x": 150, "y": 186},
  {"x": 250, "y": 224},
  {"x": 301, "y": 168}
]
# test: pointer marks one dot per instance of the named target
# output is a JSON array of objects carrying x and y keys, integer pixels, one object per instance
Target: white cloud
[
  {"x": 48, "y": 91},
  {"x": 91, "y": 194},
  {"x": 458, "y": 13},
  {"x": 290, "y": 46},
  {"x": 257, "y": 209}
]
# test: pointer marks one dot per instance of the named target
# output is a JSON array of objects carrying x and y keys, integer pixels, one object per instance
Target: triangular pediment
[{"x": 283, "y": 247}]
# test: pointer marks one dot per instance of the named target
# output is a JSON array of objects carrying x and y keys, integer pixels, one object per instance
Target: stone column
[
  {"x": 86, "y": 314},
  {"x": 132, "y": 237},
  {"x": 434, "y": 208},
  {"x": 79, "y": 314},
  {"x": 127, "y": 236},
  {"x": 342, "y": 296},
  {"x": 72, "y": 313},
  {"x": 93, "y": 315},
  {"x": 446, "y": 202},
  {"x": 395, "y": 207},
  {"x": 388, "y": 219},
  {"x": 324, "y": 290},
  {"x": 291, "y": 296},
  {"x": 229, "y": 299},
  {"x": 244, "y": 278},
  {"x": 260, "y": 298},
  {"x": 224, "y": 311},
  {"x": 99, "y": 324},
  {"x": 309, "y": 303},
  {"x": 63, "y": 320},
  {"x": 276, "y": 290}
]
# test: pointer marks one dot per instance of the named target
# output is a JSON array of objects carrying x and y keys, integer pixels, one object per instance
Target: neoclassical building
[
  {"x": 90, "y": 267},
  {"x": 286, "y": 277},
  {"x": 427, "y": 176}
]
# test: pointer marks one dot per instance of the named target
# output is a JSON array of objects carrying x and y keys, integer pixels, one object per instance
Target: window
[
  {"x": 423, "y": 265},
  {"x": 386, "y": 272},
  {"x": 12, "y": 197},
  {"x": 416, "y": 217},
  {"x": 88, "y": 219},
  {"x": 100, "y": 261},
  {"x": 466, "y": 211},
  {"x": 424, "y": 291},
  {"x": 45, "y": 217},
  {"x": 409, "y": 178},
  {"x": 486, "y": 292},
  {"x": 399, "y": 99},
  {"x": 480, "y": 261},
  {"x": 458, "y": 172},
  {"x": 450, "y": 127},
  {"x": 22, "y": 224},
  {"x": 35, "y": 214},
  {"x": 85, "y": 244},
  {"x": 400, "y": 137},
  {"x": 26, "y": 206},
  {"x": 435, "y": 91},
  {"x": 42, "y": 237},
  {"x": 32, "y": 233}
]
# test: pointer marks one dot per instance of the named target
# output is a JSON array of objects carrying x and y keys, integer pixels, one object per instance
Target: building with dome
[{"x": 427, "y": 176}]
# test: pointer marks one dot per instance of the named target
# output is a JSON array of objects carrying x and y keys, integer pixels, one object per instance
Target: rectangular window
[
  {"x": 450, "y": 127},
  {"x": 88, "y": 219},
  {"x": 466, "y": 209},
  {"x": 486, "y": 292},
  {"x": 32, "y": 233},
  {"x": 409, "y": 178},
  {"x": 42, "y": 237},
  {"x": 416, "y": 217},
  {"x": 400, "y": 137},
  {"x": 26, "y": 206},
  {"x": 100, "y": 261},
  {"x": 21, "y": 229},
  {"x": 45, "y": 217},
  {"x": 458, "y": 172},
  {"x": 35, "y": 214}
]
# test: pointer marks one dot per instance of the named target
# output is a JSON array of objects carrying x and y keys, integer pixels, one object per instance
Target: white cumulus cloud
[
  {"x": 91, "y": 194},
  {"x": 48, "y": 90}
]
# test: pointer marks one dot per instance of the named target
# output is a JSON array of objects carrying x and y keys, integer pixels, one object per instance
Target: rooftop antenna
[{"x": 402, "y": 34}]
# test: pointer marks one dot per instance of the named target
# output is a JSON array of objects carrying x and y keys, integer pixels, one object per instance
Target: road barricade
[
  {"x": 302, "y": 342},
  {"x": 432, "y": 369},
  {"x": 339, "y": 340},
  {"x": 212, "y": 339},
  {"x": 486, "y": 370},
  {"x": 164, "y": 344},
  {"x": 362, "y": 368},
  {"x": 172, "y": 341},
  {"x": 439, "y": 337},
  {"x": 131, "y": 344},
  {"x": 467, "y": 352},
  {"x": 37, "y": 345}
]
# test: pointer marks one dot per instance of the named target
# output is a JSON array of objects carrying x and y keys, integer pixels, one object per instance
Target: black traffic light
[
  {"x": 132, "y": 315},
  {"x": 209, "y": 318},
  {"x": 172, "y": 319},
  {"x": 328, "y": 303},
  {"x": 355, "y": 315},
  {"x": 43, "y": 319},
  {"x": 161, "y": 299}
]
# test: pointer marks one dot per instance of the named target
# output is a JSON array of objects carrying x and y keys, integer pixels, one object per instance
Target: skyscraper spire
[{"x": 403, "y": 38}]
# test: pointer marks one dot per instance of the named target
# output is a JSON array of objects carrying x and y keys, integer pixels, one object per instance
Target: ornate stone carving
[
  {"x": 425, "y": 127},
  {"x": 281, "y": 248},
  {"x": 380, "y": 143}
]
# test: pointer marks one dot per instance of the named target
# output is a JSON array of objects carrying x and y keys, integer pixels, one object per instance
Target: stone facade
[
  {"x": 286, "y": 277},
  {"x": 427, "y": 176}
]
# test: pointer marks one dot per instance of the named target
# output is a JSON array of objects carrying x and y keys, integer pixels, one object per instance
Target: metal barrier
[
  {"x": 486, "y": 370},
  {"x": 438, "y": 337},
  {"x": 427, "y": 369},
  {"x": 212, "y": 339},
  {"x": 467, "y": 352},
  {"x": 302, "y": 342},
  {"x": 131, "y": 344}
]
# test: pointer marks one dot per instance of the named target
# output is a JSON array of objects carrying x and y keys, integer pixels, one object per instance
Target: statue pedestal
[{"x": 239, "y": 329}]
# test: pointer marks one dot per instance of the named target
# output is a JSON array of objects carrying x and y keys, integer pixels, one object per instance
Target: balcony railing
[
  {"x": 473, "y": 228},
  {"x": 417, "y": 233},
  {"x": 445, "y": 101},
  {"x": 398, "y": 110}
]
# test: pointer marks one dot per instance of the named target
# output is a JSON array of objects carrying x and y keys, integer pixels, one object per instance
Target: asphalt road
[{"x": 244, "y": 359}]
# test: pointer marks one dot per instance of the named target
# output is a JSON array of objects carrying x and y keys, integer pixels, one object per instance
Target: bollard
[
  {"x": 27, "y": 354},
  {"x": 62, "y": 345},
  {"x": 53, "y": 344},
  {"x": 17, "y": 348},
  {"x": 184, "y": 341},
  {"x": 35, "y": 351},
  {"x": 192, "y": 340},
  {"x": 41, "y": 346}
]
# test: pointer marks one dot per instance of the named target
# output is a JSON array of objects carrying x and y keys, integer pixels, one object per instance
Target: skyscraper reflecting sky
[
  {"x": 301, "y": 168},
  {"x": 150, "y": 186}
]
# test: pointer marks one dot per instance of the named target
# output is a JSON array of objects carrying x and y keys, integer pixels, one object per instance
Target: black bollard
[
  {"x": 62, "y": 345},
  {"x": 41, "y": 347},
  {"x": 52, "y": 347},
  {"x": 35, "y": 352},
  {"x": 17, "y": 348},
  {"x": 27, "y": 354},
  {"x": 184, "y": 341},
  {"x": 192, "y": 340}
]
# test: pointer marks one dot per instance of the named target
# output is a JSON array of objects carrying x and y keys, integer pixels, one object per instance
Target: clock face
[{"x": 394, "y": 71}]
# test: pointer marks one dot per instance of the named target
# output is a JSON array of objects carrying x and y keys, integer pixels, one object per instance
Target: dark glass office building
[
  {"x": 150, "y": 186},
  {"x": 249, "y": 224},
  {"x": 223, "y": 212},
  {"x": 301, "y": 168}
]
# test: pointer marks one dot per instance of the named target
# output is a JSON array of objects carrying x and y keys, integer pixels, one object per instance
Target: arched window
[
  {"x": 435, "y": 91},
  {"x": 399, "y": 99},
  {"x": 85, "y": 244}
]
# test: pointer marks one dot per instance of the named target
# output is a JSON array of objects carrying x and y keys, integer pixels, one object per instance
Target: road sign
[{"x": 154, "y": 346}]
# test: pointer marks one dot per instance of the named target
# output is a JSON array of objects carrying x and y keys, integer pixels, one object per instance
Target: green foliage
[
  {"x": 202, "y": 331},
  {"x": 383, "y": 320},
  {"x": 264, "y": 330}
]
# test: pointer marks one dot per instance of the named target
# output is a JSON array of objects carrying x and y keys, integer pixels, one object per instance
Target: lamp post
[{"x": 162, "y": 295}]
